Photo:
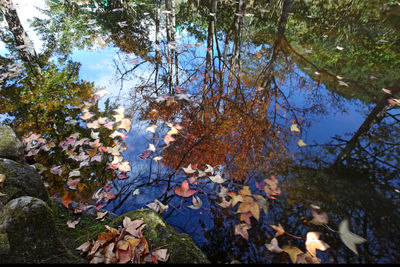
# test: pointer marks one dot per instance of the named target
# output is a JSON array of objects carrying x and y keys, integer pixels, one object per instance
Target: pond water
[{"x": 288, "y": 108}]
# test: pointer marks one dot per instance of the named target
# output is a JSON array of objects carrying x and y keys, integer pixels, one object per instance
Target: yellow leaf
[
  {"x": 293, "y": 252},
  {"x": 235, "y": 198},
  {"x": 301, "y": 143},
  {"x": 294, "y": 128}
]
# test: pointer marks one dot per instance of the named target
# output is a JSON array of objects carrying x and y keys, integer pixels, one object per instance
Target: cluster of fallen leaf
[
  {"x": 313, "y": 242},
  {"x": 125, "y": 245}
]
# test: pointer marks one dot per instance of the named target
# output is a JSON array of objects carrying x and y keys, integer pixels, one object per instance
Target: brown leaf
[
  {"x": 273, "y": 246},
  {"x": 184, "y": 190},
  {"x": 249, "y": 206},
  {"x": 279, "y": 230},
  {"x": 225, "y": 203},
  {"x": 2, "y": 179},
  {"x": 319, "y": 218},
  {"x": 101, "y": 215}
]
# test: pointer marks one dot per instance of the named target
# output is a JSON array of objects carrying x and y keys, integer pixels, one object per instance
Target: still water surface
[{"x": 292, "y": 89}]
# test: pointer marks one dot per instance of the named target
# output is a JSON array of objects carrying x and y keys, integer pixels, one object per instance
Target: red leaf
[
  {"x": 144, "y": 155},
  {"x": 184, "y": 190}
]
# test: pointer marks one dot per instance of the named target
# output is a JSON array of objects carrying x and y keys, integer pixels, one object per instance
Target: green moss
[
  {"x": 87, "y": 228},
  {"x": 159, "y": 233}
]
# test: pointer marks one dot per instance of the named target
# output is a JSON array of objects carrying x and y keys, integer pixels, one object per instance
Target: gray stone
[
  {"x": 10, "y": 146},
  {"x": 21, "y": 180},
  {"x": 28, "y": 234}
]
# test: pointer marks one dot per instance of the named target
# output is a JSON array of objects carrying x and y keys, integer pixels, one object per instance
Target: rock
[
  {"x": 21, "y": 180},
  {"x": 10, "y": 146},
  {"x": 28, "y": 234},
  {"x": 158, "y": 233}
]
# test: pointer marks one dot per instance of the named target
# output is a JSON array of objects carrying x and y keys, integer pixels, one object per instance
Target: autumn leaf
[
  {"x": 151, "y": 148},
  {"x": 72, "y": 224},
  {"x": 279, "y": 230},
  {"x": 293, "y": 252},
  {"x": 217, "y": 178},
  {"x": 184, "y": 190},
  {"x": 197, "y": 203},
  {"x": 349, "y": 239},
  {"x": 73, "y": 183},
  {"x": 2, "y": 179},
  {"x": 161, "y": 254},
  {"x": 101, "y": 215},
  {"x": 273, "y": 246},
  {"x": 319, "y": 218},
  {"x": 294, "y": 128},
  {"x": 301, "y": 143},
  {"x": 209, "y": 169},
  {"x": 157, "y": 206},
  {"x": 224, "y": 203},
  {"x": 87, "y": 115},
  {"x": 57, "y": 170},
  {"x": 66, "y": 200},
  {"x": 313, "y": 243},
  {"x": 151, "y": 128},
  {"x": 144, "y": 155},
  {"x": 235, "y": 198},
  {"x": 188, "y": 169},
  {"x": 125, "y": 124},
  {"x": 124, "y": 167},
  {"x": 249, "y": 206},
  {"x": 241, "y": 229},
  {"x": 168, "y": 138}
]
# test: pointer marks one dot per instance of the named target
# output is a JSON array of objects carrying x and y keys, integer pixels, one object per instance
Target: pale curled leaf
[
  {"x": 273, "y": 246},
  {"x": 349, "y": 239}
]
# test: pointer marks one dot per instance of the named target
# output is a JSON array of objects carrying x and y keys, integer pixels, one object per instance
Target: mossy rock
[
  {"x": 28, "y": 234},
  {"x": 158, "y": 233},
  {"x": 10, "y": 146},
  {"x": 21, "y": 180}
]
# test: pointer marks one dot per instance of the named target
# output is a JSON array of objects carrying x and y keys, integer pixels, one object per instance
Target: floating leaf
[
  {"x": 349, "y": 239},
  {"x": 235, "y": 198},
  {"x": 125, "y": 124},
  {"x": 279, "y": 230},
  {"x": 249, "y": 206},
  {"x": 87, "y": 115},
  {"x": 151, "y": 128},
  {"x": 224, "y": 203},
  {"x": 151, "y": 148},
  {"x": 301, "y": 143},
  {"x": 197, "y": 203},
  {"x": 168, "y": 138},
  {"x": 217, "y": 178},
  {"x": 293, "y": 252},
  {"x": 161, "y": 254},
  {"x": 144, "y": 155},
  {"x": 188, "y": 169},
  {"x": 184, "y": 190},
  {"x": 294, "y": 128},
  {"x": 313, "y": 243},
  {"x": 273, "y": 246},
  {"x": 319, "y": 218},
  {"x": 241, "y": 229}
]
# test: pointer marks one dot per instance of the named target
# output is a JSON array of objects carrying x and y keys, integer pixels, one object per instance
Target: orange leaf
[
  {"x": 184, "y": 190},
  {"x": 66, "y": 200}
]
